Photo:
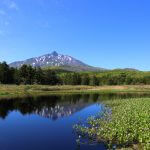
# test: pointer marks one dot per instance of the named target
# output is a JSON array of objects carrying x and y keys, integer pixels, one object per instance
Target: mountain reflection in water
[
  {"x": 24, "y": 124},
  {"x": 55, "y": 107}
]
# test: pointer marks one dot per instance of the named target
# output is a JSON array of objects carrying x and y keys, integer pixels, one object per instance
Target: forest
[{"x": 36, "y": 75}]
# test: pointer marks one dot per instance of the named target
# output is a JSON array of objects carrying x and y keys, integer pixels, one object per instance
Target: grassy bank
[
  {"x": 11, "y": 91},
  {"x": 127, "y": 125}
]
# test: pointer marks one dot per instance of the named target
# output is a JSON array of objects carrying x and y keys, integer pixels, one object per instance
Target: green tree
[
  {"x": 51, "y": 77},
  {"x": 85, "y": 79},
  {"x": 27, "y": 74},
  {"x": 30, "y": 79},
  {"x": 39, "y": 76},
  {"x": 94, "y": 81},
  {"x": 4, "y": 73}
]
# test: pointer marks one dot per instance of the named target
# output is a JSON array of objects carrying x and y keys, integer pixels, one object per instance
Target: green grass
[
  {"x": 12, "y": 91},
  {"x": 128, "y": 125}
]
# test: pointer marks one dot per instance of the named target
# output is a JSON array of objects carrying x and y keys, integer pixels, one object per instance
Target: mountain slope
[{"x": 58, "y": 60}]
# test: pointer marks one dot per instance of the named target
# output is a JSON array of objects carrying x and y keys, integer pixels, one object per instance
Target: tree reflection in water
[{"x": 55, "y": 107}]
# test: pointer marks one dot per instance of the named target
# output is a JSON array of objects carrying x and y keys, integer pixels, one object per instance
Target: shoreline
[{"x": 21, "y": 91}]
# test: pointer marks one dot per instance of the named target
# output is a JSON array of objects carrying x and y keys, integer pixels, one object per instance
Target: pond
[{"x": 46, "y": 123}]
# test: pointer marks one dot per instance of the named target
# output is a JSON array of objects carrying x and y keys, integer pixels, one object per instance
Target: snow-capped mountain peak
[
  {"x": 55, "y": 59},
  {"x": 52, "y": 59}
]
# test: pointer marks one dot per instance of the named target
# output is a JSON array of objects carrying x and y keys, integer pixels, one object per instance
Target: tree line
[
  {"x": 35, "y": 75},
  {"x": 26, "y": 75}
]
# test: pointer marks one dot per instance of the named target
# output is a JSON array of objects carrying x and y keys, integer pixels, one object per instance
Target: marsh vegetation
[{"x": 126, "y": 124}]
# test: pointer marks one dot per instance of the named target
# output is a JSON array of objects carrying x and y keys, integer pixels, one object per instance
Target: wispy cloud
[
  {"x": 4, "y": 22},
  {"x": 6, "y": 8},
  {"x": 11, "y": 4}
]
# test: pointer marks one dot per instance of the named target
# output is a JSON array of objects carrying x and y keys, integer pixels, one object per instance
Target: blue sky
[{"x": 103, "y": 33}]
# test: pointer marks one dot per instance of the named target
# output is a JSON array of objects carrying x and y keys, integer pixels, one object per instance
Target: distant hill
[
  {"x": 127, "y": 69},
  {"x": 54, "y": 59}
]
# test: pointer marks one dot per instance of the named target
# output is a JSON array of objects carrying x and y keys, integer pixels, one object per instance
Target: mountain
[
  {"x": 60, "y": 111},
  {"x": 56, "y": 60}
]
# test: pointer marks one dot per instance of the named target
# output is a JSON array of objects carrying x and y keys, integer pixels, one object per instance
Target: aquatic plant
[{"x": 128, "y": 126}]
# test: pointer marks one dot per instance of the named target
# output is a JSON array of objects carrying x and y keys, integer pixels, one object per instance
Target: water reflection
[
  {"x": 46, "y": 122},
  {"x": 52, "y": 107},
  {"x": 55, "y": 107}
]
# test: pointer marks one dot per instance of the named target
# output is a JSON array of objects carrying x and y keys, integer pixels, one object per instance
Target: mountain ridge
[{"x": 56, "y": 60}]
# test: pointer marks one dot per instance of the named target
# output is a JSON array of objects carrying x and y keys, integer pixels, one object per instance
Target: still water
[{"x": 46, "y": 123}]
